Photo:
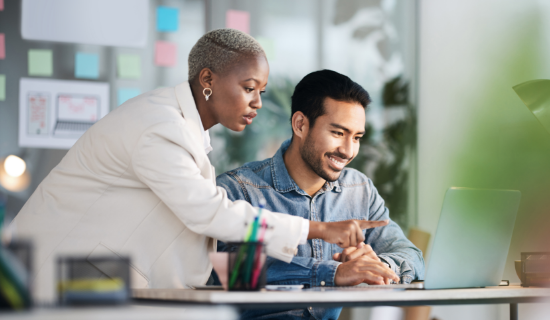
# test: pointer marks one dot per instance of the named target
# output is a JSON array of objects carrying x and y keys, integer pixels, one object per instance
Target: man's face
[{"x": 333, "y": 141}]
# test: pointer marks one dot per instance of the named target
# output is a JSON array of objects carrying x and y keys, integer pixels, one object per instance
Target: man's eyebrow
[{"x": 344, "y": 128}]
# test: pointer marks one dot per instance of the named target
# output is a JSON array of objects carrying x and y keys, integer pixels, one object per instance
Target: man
[{"x": 307, "y": 177}]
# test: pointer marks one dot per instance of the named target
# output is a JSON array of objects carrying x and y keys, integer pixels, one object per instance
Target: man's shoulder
[
  {"x": 353, "y": 178},
  {"x": 255, "y": 174}
]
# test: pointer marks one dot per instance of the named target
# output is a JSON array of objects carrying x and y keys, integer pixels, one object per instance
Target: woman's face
[{"x": 236, "y": 94}]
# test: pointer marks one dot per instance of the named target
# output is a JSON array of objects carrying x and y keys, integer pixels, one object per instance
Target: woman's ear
[
  {"x": 300, "y": 124},
  {"x": 205, "y": 78}
]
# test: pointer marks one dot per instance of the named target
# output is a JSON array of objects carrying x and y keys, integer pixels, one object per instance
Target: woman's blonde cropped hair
[{"x": 218, "y": 49}]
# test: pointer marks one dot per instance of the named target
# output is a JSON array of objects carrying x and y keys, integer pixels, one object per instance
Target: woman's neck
[{"x": 206, "y": 112}]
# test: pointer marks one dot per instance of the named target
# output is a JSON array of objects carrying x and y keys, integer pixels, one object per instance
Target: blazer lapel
[
  {"x": 192, "y": 118},
  {"x": 189, "y": 109}
]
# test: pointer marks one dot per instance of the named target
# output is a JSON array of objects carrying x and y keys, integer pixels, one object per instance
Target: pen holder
[
  {"x": 246, "y": 267},
  {"x": 88, "y": 281}
]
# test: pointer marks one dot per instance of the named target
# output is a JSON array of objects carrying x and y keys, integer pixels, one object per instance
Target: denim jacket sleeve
[
  {"x": 390, "y": 244},
  {"x": 302, "y": 270}
]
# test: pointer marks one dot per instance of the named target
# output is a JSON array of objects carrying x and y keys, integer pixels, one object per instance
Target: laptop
[
  {"x": 472, "y": 238},
  {"x": 471, "y": 242},
  {"x": 75, "y": 114}
]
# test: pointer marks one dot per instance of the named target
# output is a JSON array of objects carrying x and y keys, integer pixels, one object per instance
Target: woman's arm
[{"x": 162, "y": 160}]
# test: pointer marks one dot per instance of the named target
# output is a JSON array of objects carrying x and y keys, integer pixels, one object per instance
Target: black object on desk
[{"x": 98, "y": 280}]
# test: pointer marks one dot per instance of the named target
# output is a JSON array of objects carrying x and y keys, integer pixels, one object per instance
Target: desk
[
  {"x": 126, "y": 312},
  {"x": 332, "y": 297}
]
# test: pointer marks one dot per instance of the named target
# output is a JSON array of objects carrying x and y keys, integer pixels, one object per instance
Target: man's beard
[{"x": 309, "y": 155}]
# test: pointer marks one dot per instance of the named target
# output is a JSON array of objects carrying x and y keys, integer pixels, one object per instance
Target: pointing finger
[
  {"x": 366, "y": 224},
  {"x": 353, "y": 239},
  {"x": 360, "y": 235}
]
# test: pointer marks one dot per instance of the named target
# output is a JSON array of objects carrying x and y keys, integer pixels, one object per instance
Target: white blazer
[{"x": 139, "y": 183}]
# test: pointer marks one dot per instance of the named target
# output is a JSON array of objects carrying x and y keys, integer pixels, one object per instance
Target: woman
[{"x": 139, "y": 181}]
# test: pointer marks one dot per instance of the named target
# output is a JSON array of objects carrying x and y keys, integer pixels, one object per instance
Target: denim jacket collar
[{"x": 282, "y": 181}]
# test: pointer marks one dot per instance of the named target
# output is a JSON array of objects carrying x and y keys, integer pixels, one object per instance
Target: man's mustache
[{"x": 339, "y": 155}]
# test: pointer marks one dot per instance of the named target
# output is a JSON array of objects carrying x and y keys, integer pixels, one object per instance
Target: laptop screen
[{"x": 77, "y": 108}]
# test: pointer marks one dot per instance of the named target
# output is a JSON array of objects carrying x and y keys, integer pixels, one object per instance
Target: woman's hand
[{"x": 343, "y": 233}]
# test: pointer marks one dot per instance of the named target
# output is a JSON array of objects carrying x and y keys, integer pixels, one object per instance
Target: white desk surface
[
  {"x": 355, "y": 297},
  {"x": 126, "y": 312}
]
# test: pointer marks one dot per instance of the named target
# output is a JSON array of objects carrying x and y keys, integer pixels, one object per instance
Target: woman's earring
[{"x": 207, "y": 95}]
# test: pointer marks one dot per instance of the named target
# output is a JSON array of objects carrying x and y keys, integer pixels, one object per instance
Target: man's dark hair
[{"x": 310, "y": 93}]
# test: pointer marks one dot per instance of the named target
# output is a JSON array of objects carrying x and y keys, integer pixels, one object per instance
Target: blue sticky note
[
  {"x": 86, "y": 65},
  {"x": 167, "y": 19},
  {"x": 127, "y": 94}
]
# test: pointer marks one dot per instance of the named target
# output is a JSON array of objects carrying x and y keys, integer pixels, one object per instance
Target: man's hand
[
  {"x": 352, "y": 253},
  {"x": 365, "y": 252},
  {"x": 363, "y": 270},
  {"x": 345, "y": 234}
]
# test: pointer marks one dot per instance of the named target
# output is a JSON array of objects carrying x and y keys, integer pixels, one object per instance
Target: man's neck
[{"x": 300, "y": 171}]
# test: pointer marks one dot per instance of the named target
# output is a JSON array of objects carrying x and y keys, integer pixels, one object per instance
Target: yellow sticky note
[
  {"x": 40, "y": 62},
  {"x": 2, "y": 87},
  {"x": 129, "y": 66}
]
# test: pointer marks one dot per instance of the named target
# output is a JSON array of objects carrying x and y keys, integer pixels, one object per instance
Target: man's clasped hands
[{"x": 360, "y": 264}]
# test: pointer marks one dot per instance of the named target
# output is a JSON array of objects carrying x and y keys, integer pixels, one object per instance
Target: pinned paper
[
  {"x": 125, "y": 94},
  {"x": 40, "y": 62},
  {"x": 165, "y": 54},
  {"x": 269, "y": 47},
  {"x": 2, "y": 87},
  {"x": 239, "y": 20},
  {"x": 167, "y": 19},
  {"x": 2, "y": 45},
  {"x": 129, "y": 66},
  {"x": 86, "y": 65},
  {"x": 38, "y": 109},
  {"x": 118, "y": 23},
  {"x": 55, "y": 113}
]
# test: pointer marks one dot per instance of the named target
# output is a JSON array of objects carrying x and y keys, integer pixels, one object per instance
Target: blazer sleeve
[{"x": 162, "y": 160}]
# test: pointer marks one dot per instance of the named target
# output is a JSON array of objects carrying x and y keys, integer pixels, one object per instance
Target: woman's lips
[{"x": 249, "y": 117}]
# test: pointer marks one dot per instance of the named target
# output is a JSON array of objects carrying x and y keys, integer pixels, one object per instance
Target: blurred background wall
[
  {"x": 473, "y": 131},
  {"x": 373, "y": 42},
  {"x": 440, "y": 74}
]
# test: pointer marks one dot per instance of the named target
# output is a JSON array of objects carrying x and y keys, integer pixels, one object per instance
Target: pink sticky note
[
  {"x": 1, "y": 5},
  {"x": 239, "y": 20},
  {"x": 2, "y": 45},
  {"x": 165, "y": 54}
]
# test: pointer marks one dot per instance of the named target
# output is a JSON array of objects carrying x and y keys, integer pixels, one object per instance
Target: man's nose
[{"x": 347, "y": 148}]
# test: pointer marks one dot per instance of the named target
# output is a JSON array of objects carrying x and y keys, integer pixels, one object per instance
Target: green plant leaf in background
[
  {"x": 535, "y": 94},
  {"x": 386, "y": 161}
]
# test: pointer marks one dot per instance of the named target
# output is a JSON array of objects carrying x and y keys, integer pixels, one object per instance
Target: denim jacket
[{"x": 352, "y": 196}]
